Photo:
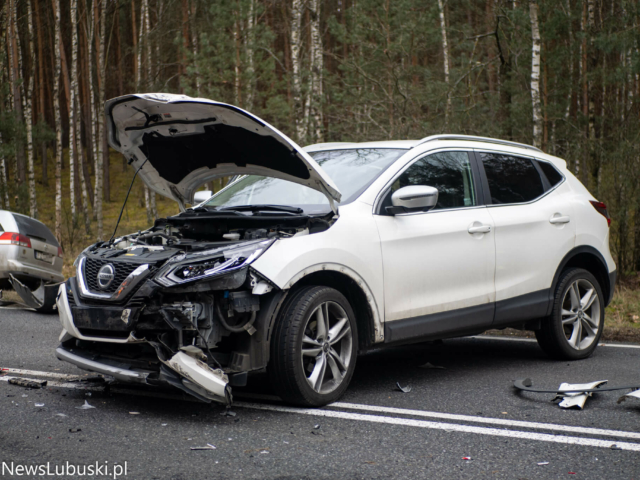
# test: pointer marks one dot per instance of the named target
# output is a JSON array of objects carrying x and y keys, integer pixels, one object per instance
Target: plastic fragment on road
[
  {"x": 134, "y": 413},
  {"x": 23, "y": 382},
  {"x": 208, "y": 447},
  {"x": 466, "y": 458},
  {"x": 578, "y": 398},
  {"x": 228, "y": 413},
  {"x": 543, "y": 463},
  {"x": 406, "y": 389},
  {"x": 60, "y": 415},
  {"x": 264, "y": 451},
  {"x": 86, "y": 406},
  {"x": 75, "y": 430},
  {"x": 430, "y": 366},
  {"x": 38, "y": 404},
  {"x": 634, "y": 394}
]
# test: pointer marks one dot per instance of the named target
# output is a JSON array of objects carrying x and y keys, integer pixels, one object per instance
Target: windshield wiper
[{"x": 257, "y": 208}]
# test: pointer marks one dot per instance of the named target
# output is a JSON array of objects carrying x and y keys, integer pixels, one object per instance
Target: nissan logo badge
[{"x": 106, "y": 274}]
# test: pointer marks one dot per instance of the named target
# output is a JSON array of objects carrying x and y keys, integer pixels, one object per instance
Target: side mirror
[
  {"x": 414, "y": 198},
  {"x": 202, "y": 196}
]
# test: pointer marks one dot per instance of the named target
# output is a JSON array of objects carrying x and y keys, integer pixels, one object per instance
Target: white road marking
[
  {"x": 449, "y": 427},
  {"x": 489, "y": 420},
  {"x": 63, "y": 376},
  {"x": 520, "y": 339}
]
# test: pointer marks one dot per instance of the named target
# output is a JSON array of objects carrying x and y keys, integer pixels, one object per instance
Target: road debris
[
  {"x": 543, "y": 463},
  {"x": 208, "y": 447},
  {"x": 430, "y": 366},
  {"x": 264, "y": 451},
  {"x": 75, "y": 430},
  {"x": 467, "y": 458},
  {"x": 577, "y": 399},
  {"x": 134, "y": 413},
  {"x": 38, "y": 404},
  {"x": 60, "y": 415},
  {"x": 86, "y": 406},
  {"x": 406, "y": 389},
  {"x": 634, "y": 394},
  {"x": 23, "y": 382},
  {"x": 228, "y": 413}
]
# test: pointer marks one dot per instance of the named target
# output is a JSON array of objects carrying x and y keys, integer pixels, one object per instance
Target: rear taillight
[
  {"x": 60, "y": 252},
  {"x": 602, "y": 210},
  {"x": 10, "y": 238}
]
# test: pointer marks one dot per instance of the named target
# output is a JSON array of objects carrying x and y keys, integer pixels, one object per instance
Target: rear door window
[
  {"x": 35, "y": 229},
  {"x": 511, "y": 179}
]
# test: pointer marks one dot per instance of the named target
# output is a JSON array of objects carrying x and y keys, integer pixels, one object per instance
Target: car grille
[{"x": 93, "y": 265}]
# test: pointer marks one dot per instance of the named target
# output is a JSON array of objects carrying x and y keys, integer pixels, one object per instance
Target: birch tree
[
  {"x": 249, "y": 49},
  {"x": 317, "y": 66},
  {"x": 15, "y": 67},
  {"x": 101, "y": 68},
  {"x": 295, "y": 40},
  {"x": 33, "y": 206},
  {"x": 153, "y": 211},
  {"x": 72, "y": 111},
  {"x": 535, "y": 75},
  {"x": 58, "y": 122},
  {"x": 445, "y": 55}
]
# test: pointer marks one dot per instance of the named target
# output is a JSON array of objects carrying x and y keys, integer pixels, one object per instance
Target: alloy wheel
[
  {"x": 326, "y": 347},
  {"x": 581, "y": 314}
]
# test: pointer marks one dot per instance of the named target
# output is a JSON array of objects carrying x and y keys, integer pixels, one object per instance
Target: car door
[
  {"x": 438, "y": 265},
  {"x": 534, "y": 230}
]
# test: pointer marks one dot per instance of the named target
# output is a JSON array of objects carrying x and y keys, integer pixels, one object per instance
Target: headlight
[{"x": 217, "y": 261}]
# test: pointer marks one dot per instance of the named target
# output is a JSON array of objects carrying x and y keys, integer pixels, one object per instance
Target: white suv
[{"x": 416, "y": 240}]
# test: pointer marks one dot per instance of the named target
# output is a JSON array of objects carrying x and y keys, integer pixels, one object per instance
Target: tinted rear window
[
  {"x": 551, "y": 173},
  {"x": 33, "y": 228},
  {"x": 511, "y": 179}
]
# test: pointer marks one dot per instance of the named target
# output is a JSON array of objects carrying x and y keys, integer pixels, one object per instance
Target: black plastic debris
[
  {"x": 406, "y": 389},
  {"x": 75, "y": 430},
  {"x": 23, "y": 382},
  {"x": 208, "y": 447},
  {"x": 429, "y": 366}
]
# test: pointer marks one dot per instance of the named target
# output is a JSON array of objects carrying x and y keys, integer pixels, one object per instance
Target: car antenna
[{"x": 126, "y": 198}]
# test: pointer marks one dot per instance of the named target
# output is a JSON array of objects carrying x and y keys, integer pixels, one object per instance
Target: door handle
[
  {"x": 480, "y": 229},
  {"x": 558, "y": 218}
]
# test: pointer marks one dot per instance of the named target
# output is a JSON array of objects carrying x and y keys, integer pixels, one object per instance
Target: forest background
[{"x": 563, "y": 75}]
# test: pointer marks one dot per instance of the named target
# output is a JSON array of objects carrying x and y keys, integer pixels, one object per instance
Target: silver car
[{"x": 30, "y": 260}]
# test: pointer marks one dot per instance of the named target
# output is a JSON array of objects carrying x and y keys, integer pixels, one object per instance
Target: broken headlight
[{"x": 219, "y": 261}]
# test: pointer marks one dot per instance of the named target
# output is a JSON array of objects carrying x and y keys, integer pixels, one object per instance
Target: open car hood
[{"x": 179, "y": 143}]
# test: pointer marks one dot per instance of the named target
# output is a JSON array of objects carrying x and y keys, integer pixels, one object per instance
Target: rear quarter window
[
  {"x": 33, "y": 228},
  {"x": 553, "y": 175}
]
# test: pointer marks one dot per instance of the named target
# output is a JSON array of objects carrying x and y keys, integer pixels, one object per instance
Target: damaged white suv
[{"x": 313, "y": 255}]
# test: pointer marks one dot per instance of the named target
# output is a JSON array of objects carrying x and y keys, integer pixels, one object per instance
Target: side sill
[{"x": 522, "y": 308}]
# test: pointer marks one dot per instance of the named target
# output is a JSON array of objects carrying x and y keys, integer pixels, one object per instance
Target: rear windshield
[{"x": 35, "y": 229}]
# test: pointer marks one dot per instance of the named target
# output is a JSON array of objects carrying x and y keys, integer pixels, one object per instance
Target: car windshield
[{"x": 352, "y": 170}]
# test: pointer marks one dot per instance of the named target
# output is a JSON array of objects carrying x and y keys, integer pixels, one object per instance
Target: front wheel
[
  {"x": 313, "y": 347},
  {"x": 575, "y": 325}
]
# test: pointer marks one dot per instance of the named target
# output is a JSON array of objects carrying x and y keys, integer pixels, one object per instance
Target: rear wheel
[
  {"x": 313, "y": 347},
  {"x": 575, "y": 325}
]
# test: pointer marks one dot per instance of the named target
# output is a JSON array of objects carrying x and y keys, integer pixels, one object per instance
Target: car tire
[
  {"x": 311, "y": 364},
  {"x": 574, "y": 328}
]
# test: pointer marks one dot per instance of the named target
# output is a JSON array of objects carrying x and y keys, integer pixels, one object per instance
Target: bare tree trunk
[
  {"x": 72, "y": 111},
  {"x": 445, "y": 55},
  {"x": 316, "y": 72},
  {"x": 249, "y": 49},
  {"x": 147, "y": 26},
  {"x": 33, "y": 206},
  {"x": 237, "y": 86},
  {"x": 101, "y": 64},
  {"x": 194, "y": 44},
  {"x": 15, "y": 70},
  {"x": 295, "y": 39},
  {"x": 4, "y": 187},
  {"x": 92, "y": 135},
  {"x": 58, "y": 122},
  {"x": 535, "y": 75},
  {"x": 41, "y": 77}
]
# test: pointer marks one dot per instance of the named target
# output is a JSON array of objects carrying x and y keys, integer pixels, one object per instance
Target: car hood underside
[{"x": 178, "y": 143}]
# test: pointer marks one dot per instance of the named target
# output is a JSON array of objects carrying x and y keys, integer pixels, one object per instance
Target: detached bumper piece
[
  {"x": 197, "y": 378},
  {"x": 42, "y": 299}
]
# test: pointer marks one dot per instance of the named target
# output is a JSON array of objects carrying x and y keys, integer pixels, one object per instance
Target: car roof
[{"x": 445, "y": 140}]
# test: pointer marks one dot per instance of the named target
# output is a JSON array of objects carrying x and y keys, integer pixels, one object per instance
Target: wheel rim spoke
[
  {"x": 588, "y": 329},
  {"x": 321, "y": 326},
  {"x": 575, "y": 296},
  {"x": 574, "y": 340},
  {"x": 587, "y": 299},
  {"x": 335, "y": 370},
  {"x": 333, "y": 354},
  {"x": 307, "y": 339},
  {"x": 311, "y": 352},
  {"x": 569, "y": 320},
  {"x": 339, "y": 330},
  {"x": 589, "y": 321},
  {"x": 317, "y": 375}
]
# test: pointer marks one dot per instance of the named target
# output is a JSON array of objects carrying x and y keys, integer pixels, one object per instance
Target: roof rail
[{"x": 472, "y": 138}]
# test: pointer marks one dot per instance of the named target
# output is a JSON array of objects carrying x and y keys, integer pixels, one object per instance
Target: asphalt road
[{"x": 468, "y": 409}]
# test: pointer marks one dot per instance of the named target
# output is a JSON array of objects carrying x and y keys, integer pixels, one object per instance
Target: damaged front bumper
[{"x": 182, "y": 370}]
